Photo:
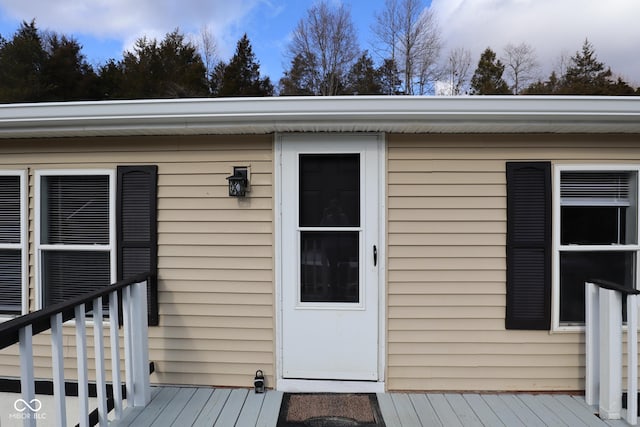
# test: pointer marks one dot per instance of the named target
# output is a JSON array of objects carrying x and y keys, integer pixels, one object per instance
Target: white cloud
[
  {"x": 128, "y": 20},
  {"x": 552, "y": 27}
]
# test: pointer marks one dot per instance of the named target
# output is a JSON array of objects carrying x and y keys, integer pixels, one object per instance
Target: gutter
[{"x": 395, "y": 114}]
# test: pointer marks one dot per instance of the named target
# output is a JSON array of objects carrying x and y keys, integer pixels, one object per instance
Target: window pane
[
  {"x": 329, "y": 267},
  {"x": 75, "y": 209},
  {"x": 329, "y": 190},
  {"x": 11, "y": 280},
  {"x": 9, "y": 209},
  {"x": 576, "y": 268},
  {"x": 594, "y": 225},
  {"x": 71, "y": 273}
]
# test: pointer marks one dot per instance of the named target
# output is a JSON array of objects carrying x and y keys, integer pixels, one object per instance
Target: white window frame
[
  {"x": 558, "y": 247},
  {"x": 39, "y": 247},
  {"x": 23, "y": 245}
]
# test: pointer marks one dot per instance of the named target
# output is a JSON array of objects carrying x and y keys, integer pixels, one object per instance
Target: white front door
[{"x": 329, "y": 191}]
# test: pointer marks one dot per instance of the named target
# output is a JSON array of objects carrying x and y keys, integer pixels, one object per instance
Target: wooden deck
[{"x": 191, "y": 406}]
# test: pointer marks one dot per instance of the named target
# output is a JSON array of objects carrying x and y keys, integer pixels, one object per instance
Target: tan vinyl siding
[
  {"x": 446, "y": 235},
  {"x": 215, "y": 252}
]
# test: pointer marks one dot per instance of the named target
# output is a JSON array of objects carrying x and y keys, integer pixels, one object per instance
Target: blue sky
[{"x": 554, "y": 28}]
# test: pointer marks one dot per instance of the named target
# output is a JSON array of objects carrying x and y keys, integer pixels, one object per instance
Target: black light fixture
[
  {"x": 239, "y": 181},
  {"x": 258, "y": 382}
]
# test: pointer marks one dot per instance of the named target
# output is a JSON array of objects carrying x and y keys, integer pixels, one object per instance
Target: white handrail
[{"x": 135, "y": 332}]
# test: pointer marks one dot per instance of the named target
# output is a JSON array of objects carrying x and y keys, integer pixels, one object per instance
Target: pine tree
[
  {"x": 586, "y": 75},
  {"x": 241, "y": 77},
  {"x": 298, "y": 80},
  {"x": 66, "y": 73},
  {"x": 389, "y": 77},
  {"x": 22, "y": 60},
  {"x": 363, "y": 78},
  {"x": 487, "y": 79},
  {"x": 169, "y": 69}
]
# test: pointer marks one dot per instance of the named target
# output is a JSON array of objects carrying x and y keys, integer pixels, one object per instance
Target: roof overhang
[{"x": 396, "y": 114}]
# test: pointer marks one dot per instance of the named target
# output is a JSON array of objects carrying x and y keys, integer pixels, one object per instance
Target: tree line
[{"x": 325, "y": 59}]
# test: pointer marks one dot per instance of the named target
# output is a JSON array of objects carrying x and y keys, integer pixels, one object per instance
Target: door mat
[{"x": 329, "y": 410}]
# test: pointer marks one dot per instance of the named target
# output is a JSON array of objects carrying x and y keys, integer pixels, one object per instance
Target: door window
[{"x": 329, "y": 226}]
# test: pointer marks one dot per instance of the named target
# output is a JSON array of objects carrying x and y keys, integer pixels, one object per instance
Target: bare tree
[
  {"x": 386, "y": 29},
  {"x": 562, "y": 62},
  {"x": 410, "y": 36},
  {"x": 326, "y": 38},
  {"x": 457, "y": 70},
  {"x": 521, "y": 65},
  {"x": 208, "y": 47},
  {"x": 426, "y": 68}
]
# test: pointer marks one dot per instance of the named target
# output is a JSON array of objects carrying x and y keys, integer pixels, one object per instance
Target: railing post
[
  {"x": 27, "y": 384},
  {"x": 610, "y": 354},
  {"x": 115, "y": 355},
  {"x": 136, "y": 346},
  {"x": 632, "y": 359},
  {"x": 81, "y": 352},
  {"x": 592, "y": 344},
  {"x": 57, "y": 355},
  {"x": 98, "y": 343},
  {"x": 140, "y": 344},
  {"x": 128, "y": 351}
]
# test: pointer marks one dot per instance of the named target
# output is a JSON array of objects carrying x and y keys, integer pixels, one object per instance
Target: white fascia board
[{"x": 403, "y": 114}]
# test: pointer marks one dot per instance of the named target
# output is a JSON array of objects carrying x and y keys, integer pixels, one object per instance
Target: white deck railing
[
  {"x": 604, "y": 344},
  {"x": 136, "y": 354}
]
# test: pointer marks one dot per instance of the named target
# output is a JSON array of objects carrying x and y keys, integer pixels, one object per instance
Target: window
[
  {"x": 591, "y": 233},
  {"x": 596, "y": 234},
  {"x": 13, "y": 242},
  {"x": 75, "y": 233}
]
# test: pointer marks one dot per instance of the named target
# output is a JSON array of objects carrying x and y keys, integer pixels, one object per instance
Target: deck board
[
  {"x": 153, "y": 409},
  {"x": 405, "y": 410},
  {"x": 542, "y": 411},
  {"x": 561, "y": 410},
  {"x": 270, "y": 409},
  {"x": 132, "y": 413},
  {"x": 586, "y": 418},
  {"x": 231, "y": 410},
  {"x": 444, "y": 410},
  {"x": 193, "y": 406},
  {"x": 388, "y": 409},
  {"x": 212, "y": 408},
  {"x": 250, "y": 410},
  {"x": 425, "y": 411},
  {"x": 170, "y": 412},
  {"x": 461, "y": 407},
  {"x": 483, "y": 411},
  {"x": 514, "y": 411}
]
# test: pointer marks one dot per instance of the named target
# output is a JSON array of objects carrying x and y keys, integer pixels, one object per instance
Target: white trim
[
  {"x": 319, "y": 385},
  {"x": 407, "y": 114},
  {"x": 558, "y": 247},
  {"x": 111, "y": 247},
  {"x": 23, "y": 245},
  {"x": 382, "y": 259}
]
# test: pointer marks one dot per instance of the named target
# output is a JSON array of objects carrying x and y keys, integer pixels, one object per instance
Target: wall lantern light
[
  {"x": 258, "y": 382},
  {"x": 239, "y": 181}
]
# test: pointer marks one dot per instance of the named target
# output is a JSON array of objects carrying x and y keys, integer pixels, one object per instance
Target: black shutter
[
  {"x": 528, "y": 245},
  {"x": 10, "y": 259},
  {"x": 137, "y": 236}
]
